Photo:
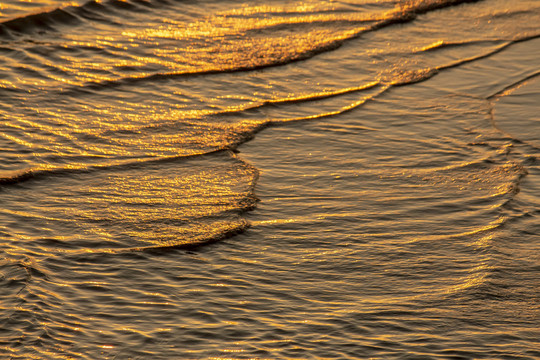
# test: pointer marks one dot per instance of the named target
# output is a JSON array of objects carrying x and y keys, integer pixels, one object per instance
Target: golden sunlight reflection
[
  {"x": 390, "y": 201},
  {"x": 230, "y": 40},
  {"x": 195, "y": 201},
  {"x": 175, "y": 206},
  {"x": 477, "y": 277}
]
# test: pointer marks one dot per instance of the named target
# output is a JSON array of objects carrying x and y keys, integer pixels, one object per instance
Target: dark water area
[{"x": 270, "y": 180}]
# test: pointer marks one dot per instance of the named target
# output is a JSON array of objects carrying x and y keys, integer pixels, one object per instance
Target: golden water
[{"x": 271, "y": 180}]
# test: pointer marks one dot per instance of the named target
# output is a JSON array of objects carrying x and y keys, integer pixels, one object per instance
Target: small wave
[
  {"x": 215, "y": 236},
  {"x": 419, "y": 75},
  {"x": 266, "y": 51},
  {"x": 41, "y": 22},
  {"x": 514, "y": 86},
  {"x": 214, "y": 233},
  {"x": 241, "y": 133},
  {"x": 223, "y": 69},
  {"x": 450, "y": 44},
  {"x": 70, "y": 15},
  {"x": 510, "y": 13},
  {"x": 424, "y": 6},
  {"x": 297, "y": 99},
  {"x": 186, "y": 206},
  {"x": 8, "y": 178}
]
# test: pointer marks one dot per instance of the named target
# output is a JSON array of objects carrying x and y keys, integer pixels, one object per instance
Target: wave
[
  {"x": 243, "y": 132},
  {"x": 453, "y": 44},
  {"x": 72, "y": 15},
  {"x": 248, "y": 129},
  {"x": 99, "y": 11},
  {"x": 41, "y": 22},
  {"x": 514, "y": 86},
  {"x": 213, "y": 235},
  {"x": 174, "y": 212},
  {"x": 510, "y": 13},
  {"x": 311, "y": 97},
  {"x": 264, "y": 52},
  {"x": 8, "y": 178},
  {"x": 369, "y": 24},
  {"x": 420, "y": 75},
  {"x": 503, "y": 43}
]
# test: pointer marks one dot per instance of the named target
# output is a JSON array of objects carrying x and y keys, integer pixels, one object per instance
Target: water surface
[{"x": 272, "y": 180}]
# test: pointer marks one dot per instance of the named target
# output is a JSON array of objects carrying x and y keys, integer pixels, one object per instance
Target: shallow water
[{"x": 223, "y": 179}]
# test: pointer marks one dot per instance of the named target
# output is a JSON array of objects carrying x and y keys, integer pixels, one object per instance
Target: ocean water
[{"x": 230, "y": 179}]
